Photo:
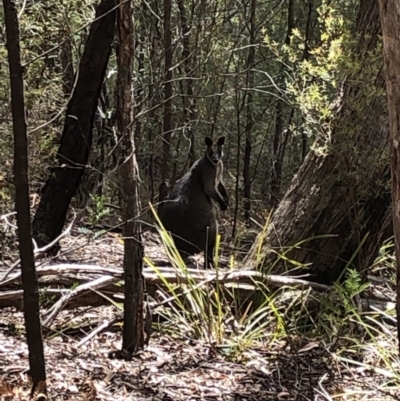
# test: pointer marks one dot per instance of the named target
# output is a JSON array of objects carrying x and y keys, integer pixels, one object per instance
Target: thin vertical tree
[
  {"x": 28, "y": 272},
  {"x": 66, "y": 59},
  {"x": 189, "y": 100},
  {"x": 306, "y": 56},
  {"x": 390, "y": 17},
  {"x": 279, "y": 142},
  {"x": 249, "y": 110},
  {"x": 133, "y": 337},
  {"x": 167, "y": 127}
]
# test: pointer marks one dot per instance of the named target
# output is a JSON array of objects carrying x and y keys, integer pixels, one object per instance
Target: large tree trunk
[
  {"x": 133, "y": 247},
  {"x": 76, "y": 139},
  {"x": 22, "y": 207},
  {"x": 390, "y": 17},
  {"x": 344, "y": 194}
]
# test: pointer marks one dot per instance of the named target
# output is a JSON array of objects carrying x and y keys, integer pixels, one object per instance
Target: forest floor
[{"x": 174, "y": 367}]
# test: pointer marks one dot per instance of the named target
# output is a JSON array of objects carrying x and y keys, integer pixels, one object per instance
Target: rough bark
[
  {"x": 132, "y": 338},
  {"x": 390, "y": 20},
  {"x": 153, "y": 129},
  {"x": 249, "y": 112},
  {"x": 139, "y": 47},
  {"x": 22, "y": 204},
  {"x": 76, "y": 138},
  {"x": 342, "y": 195},
  {"x": 167, "y": 129}
]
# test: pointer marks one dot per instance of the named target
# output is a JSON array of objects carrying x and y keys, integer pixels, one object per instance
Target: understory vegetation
[{"x": 301, "y": 302}]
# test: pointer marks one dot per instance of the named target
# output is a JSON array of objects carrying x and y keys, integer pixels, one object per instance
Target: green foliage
[
  {"x": 341, "y": 310},
  {"x": 305, "y": 74},
  {"x": 315, "y": 69},
  {"x": 44, "y": 27},
  {"x": 218, "y": 45},
  {"x": 332, "y": 315},
  {"x": 207, "y": 310},
  {"x": 96, "y": 209},
  {"x": 385, "y": 263},
  {"x": 44, "y": 298},
  {"x": 212, "y": 313}
]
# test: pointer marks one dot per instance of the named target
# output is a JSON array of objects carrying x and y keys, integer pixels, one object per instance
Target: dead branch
[
  {"x": 97, "y": 330},
  {"x": 226, "y": 277},
  {"x": 76, "y": 292},
  {"x": 5, "y": 218},
  {"x": 37, "y": 251},
  {"x": 92, "y": 279}
]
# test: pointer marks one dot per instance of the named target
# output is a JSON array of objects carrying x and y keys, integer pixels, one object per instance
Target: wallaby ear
[
  {"x": 221, "y": 141},
  {"x": 208, "y": 141}
]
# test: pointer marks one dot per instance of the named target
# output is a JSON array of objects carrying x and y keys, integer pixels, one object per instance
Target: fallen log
[{"x": 86, "y": 285}]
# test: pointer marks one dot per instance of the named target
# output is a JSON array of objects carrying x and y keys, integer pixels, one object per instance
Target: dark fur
[{"x": 188, "y": 211}]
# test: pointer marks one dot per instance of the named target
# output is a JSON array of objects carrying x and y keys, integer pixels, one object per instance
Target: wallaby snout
[{"x": 214, "y": 151}]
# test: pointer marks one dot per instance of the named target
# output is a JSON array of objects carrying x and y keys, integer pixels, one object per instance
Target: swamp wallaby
[{"x": 188, "y": 212}]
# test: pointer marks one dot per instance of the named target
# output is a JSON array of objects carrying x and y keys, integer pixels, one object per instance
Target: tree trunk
[
  {"x": 188, "y": 97},
  {"x": 390, "y": 17},
  {"x": 342, "y": 195},
  {"x": 76, "y": 139},
  {"x": 67, "y": 65},
  {"x": 167, "y": 91},
  {"x": 249, "y": 111},
  {"x": 153, "y": 132},
  {"x": 279, "y": 143},
  {"x": 22, "y": 206},
  {"x": 238, "y": 156},
  {"x": 133, "y": 249},
  {"x": 306, "y": 56}
]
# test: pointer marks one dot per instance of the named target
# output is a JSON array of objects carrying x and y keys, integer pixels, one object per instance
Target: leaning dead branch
[
  {"x": 76, "y": 292},
  {"x": 37, "y": 251},
  {"x": 105, "y": 325}
]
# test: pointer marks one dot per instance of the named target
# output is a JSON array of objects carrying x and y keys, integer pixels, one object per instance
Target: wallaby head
[{"x": 214, "y": 151}]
